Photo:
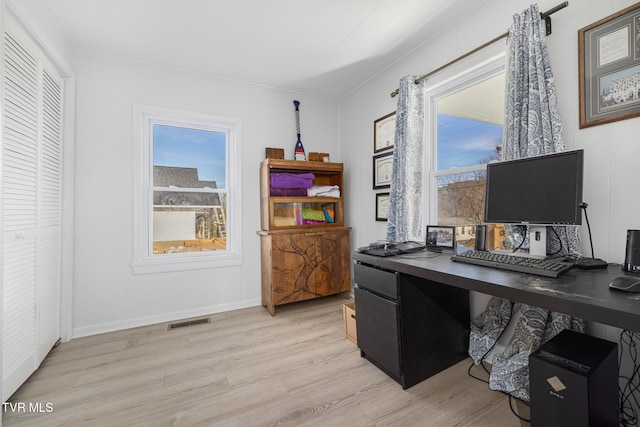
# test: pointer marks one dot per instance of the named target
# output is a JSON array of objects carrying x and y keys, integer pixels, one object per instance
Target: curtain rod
[{"x": 544, "y": 15}]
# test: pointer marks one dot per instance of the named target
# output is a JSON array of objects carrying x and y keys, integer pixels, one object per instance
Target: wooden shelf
[
  {"x": 300, "y": 199},
  {"x": 325, "y": 173},
  {"x": 300, "y": 165}
]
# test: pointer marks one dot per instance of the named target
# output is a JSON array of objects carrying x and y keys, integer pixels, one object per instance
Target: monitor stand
[{"x": 538, "y": 241}]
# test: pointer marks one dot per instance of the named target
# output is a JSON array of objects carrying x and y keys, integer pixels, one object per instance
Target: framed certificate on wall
[
  {"x": 382, "y": 206},
  {"x": 384, "y": 131},
  {"x": 382, "y": 169}
]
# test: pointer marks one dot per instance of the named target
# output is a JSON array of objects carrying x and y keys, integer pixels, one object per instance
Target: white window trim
[
  {"x": 146, "y": 263},
  {"x": 459, "y": 76}
]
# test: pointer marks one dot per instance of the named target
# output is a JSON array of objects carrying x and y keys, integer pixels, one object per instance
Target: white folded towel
[{"x": 324, "y": 191}]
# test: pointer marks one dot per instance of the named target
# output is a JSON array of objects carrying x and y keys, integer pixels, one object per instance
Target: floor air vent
[{"x": 173, "y": 326}]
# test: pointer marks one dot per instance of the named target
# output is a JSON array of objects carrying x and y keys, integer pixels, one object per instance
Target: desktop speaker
[
  {"x": 573, "y": 381},
  {"x": 481, "y": 238},
  {"x": 632, "y": 254}
]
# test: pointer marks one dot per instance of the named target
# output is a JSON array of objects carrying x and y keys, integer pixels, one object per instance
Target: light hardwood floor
[{"x": 245, "y": 368}]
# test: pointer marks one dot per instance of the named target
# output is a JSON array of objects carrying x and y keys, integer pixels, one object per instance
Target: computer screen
[{"x": 542, "y": 190}]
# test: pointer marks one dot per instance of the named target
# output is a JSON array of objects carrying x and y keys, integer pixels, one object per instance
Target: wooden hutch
[{"x": 303, "y": 259}]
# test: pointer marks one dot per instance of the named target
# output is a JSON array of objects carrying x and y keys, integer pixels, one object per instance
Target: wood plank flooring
[{"x": 245, "y": 368}]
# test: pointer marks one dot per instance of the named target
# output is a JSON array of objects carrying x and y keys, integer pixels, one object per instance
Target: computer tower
[{"x": 573, "y": 381}]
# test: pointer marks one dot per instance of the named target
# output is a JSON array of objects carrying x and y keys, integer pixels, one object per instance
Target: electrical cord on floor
[
  {"x": 628, "y": 393},
  {"x": 514, "y": 411}
]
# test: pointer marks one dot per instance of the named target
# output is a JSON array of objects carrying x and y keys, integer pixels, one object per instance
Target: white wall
[
  {"x": 107, "y": 296},
  {"x": 611, "y": 150}
]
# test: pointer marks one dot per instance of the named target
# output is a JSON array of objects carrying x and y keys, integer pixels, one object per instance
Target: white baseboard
[{"x": 85, "y": 331}]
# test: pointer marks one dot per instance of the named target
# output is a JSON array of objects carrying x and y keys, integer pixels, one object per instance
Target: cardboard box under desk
[{"x": 349, "y": 314}]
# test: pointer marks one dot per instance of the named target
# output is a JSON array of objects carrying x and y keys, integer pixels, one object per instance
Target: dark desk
[{"x": 581, "y": 293}]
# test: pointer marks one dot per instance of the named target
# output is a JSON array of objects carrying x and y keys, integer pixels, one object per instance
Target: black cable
[
  {"x": 473, "y": 376},
  {"x": 583, "y": 205},
  {"x": 511, "y": 304},
  {"x": 629, "y": 401},
  {"x": 559, "y": 240},
  {"x": 514, "y": 411},
  {"x": 524, "y": 237}
]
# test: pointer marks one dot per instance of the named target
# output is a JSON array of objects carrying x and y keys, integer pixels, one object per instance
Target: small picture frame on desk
[
  {"x": 382, "y": 170},
  {"x": 440, "y": 237},
  {"x": 382, "y": 206}
]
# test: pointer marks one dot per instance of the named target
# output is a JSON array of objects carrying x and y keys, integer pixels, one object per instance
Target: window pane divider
[
  {"x": 465, "y": 169},
  {"x": 190, "y": 190}
]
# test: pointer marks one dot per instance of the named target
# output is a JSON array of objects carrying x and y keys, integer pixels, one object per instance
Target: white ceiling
[{"x": 320, "y": 47}]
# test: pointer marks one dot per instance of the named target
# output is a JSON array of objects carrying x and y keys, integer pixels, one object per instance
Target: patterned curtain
[
  {"x": 405, "y": 200},
  {"x": 532, "y": 127},
  {"x": 532, "y": 124}
]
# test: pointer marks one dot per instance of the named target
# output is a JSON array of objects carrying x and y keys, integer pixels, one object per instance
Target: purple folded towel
[
  {"x": 292, "y": 180},
  {"x": 291, "y": 192}
]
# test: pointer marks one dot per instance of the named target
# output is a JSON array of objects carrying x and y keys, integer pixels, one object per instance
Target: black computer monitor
[{"x": 536, "y": 191}]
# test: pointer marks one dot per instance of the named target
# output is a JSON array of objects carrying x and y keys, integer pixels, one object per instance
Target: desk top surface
[{"x": 581, "y": 293}]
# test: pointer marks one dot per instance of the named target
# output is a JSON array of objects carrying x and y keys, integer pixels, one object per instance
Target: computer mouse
[{"x": 626, "y": 283}]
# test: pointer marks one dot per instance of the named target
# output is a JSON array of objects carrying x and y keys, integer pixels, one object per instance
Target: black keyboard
[{"x": 520, "y": 264}]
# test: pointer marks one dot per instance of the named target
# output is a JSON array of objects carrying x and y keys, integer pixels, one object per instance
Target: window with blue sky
[
  {"x": 185, "y": 147},
  {"x": 464, "y": 142},
  {"x": 189, "y": 181}
]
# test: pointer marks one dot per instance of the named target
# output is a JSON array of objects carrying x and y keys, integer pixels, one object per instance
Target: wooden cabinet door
[
  {"x": 333, "y": 274},
  {"x": 309, "y": 264},
  {"x": 294, "y": 260}
]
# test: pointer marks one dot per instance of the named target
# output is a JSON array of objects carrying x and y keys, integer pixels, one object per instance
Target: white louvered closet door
[{"x": 31, "y": 207}]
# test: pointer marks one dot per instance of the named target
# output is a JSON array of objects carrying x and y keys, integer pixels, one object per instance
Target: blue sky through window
[
  {"x": 204, "y": 150},
  {"x": 463, "y": 142}
]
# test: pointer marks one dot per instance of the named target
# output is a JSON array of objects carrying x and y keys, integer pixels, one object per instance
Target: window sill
[{"x": 161, "y": 264}]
